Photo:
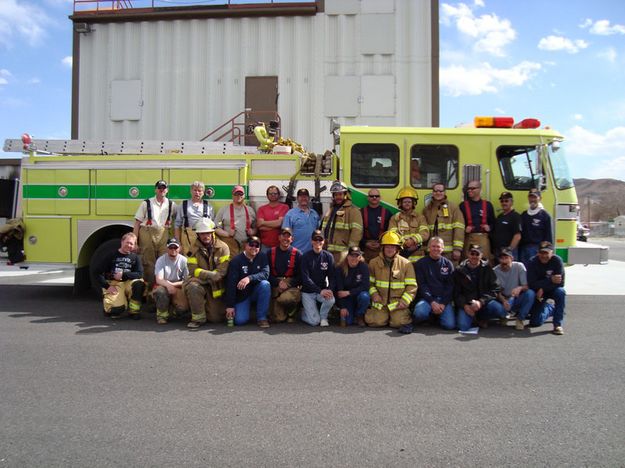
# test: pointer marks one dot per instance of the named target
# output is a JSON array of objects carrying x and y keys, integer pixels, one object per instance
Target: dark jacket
[
  {"x": 317, "y": 271},
  {"x": 485, "y": 289},
  {"x": 356, "y": 281},
  {"x": 278, "y": 270},
  {"x": 129, "y": 264},
  {"x": 240, "y": 267},
  {"x": 435, "y": 279},
  {"x": 539, "y": 274}
]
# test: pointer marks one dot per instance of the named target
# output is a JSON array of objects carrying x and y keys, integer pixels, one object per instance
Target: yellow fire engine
[{"x": 79, "y": 197}]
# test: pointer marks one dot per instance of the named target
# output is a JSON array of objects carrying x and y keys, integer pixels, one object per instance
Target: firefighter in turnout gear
[
  {"x": 410, "y": 225},
  {"x": 393, "y": 285},
  {"x": 152, "y": 223},
  {"x": 342, "y": 224},
  {"x": 208, "y": 266},
  {"x": 188, "y": 214},
  {"x": 285, "y": 264},
  {"x": 445, "y": 220}
]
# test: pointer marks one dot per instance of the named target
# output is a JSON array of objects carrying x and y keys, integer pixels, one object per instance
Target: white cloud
[
  {"x": 577, "y": 117},
  {"x": 490, "y": 33},
  {"x": 4, "y": 76},
  {"x": 21, "y": 22},
  {"x": 602, "y": 27},
  {"x": 34, "y": 81},
  {"x": 457, "y": 80},
  {"x": 67, "y": 61},
  {"x": 607, "y": 150},
  {"x": 608, "y": 54},
  {"x": 556, "y": 43}
]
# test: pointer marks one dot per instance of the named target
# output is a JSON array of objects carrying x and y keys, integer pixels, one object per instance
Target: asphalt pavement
[{"x": 81, "y": 390}]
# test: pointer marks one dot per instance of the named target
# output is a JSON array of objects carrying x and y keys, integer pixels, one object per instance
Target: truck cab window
[
  {"x": 430, "y": 164},
  {"x": 375, "y": 165},
  {"x": 520, "y": 167}
]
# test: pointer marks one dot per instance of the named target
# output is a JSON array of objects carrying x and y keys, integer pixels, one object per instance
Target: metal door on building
[{"x": 261, "y": 102}]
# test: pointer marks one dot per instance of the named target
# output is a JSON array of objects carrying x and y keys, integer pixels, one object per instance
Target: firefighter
[
  {"x": 410, "y": 225},
  {"x": 342, "y": 224},
  {"x": 170, "y": 271},
  {"x": 284, "y": 275},
  {"x": 479, "y": 216},
  {"x": 121, "y": 280},
  {"x": 236, "y": 221},
  {"x": 188, "y": 214},
  {"x": 152, "y": 222},
  {"x": 393, "y": 286},
  {"x": 208, "y": 266},
  {"x": 445, "y": 220},
  {"x": 375, "y": 221}
]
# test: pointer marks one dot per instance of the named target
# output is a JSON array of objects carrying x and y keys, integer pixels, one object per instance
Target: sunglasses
[
  {"x": 440, "y": 191},
  {"x": 238, "y": 194},
  {"x": 317, "y": 239},
  {"x": 474, "y": 254},
  {"x": 254, "y": 244},
  {"x": 374, "y": 196},
  {"x": 472, "y": 188}
]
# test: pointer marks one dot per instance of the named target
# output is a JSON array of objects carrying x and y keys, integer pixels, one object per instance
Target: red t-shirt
[{"x": 271, "y": 213}]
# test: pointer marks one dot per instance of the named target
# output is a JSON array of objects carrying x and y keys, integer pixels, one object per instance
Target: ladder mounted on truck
[{"x": 102, "y": 147}]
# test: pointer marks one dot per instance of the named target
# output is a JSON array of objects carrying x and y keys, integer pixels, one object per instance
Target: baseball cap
[
  {"x": 285, "y": 230},
  {"x": 505, "y": 196},
  {"x": 354, "y": 250},
  {"x": 160, "y": 184},
  {"x": 506, "y": 251},
  {"x": 317, "y": 235},
  {"x": 303, "y": 191},
  {"x": 238, "y": 188},
  {"x": 173, "y": 242},
  {"x": 252, "y": 239},
  {"x": 545, "y": 246},
  {"x": 534, "y": 191},
  {"x": 475, "y": 248}
]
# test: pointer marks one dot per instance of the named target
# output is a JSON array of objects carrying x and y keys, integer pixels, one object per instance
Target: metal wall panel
[{"x": 192, "y": 72}]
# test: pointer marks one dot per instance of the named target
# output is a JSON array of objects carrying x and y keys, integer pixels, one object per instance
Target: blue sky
[{"x": 562, "y": 61}]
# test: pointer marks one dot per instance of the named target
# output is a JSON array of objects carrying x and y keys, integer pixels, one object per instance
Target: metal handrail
[
  {"x": 116, "y": 5},
  {"x": 234, "y": 131}
]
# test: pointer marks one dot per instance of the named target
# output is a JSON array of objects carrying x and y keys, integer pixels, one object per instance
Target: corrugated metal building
[{"x": 179, "y": 73}]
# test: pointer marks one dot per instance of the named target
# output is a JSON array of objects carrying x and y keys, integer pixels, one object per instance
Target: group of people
[{"x": 454, "y": 265}]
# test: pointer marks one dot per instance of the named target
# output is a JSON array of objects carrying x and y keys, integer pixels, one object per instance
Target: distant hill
[{"x": 606, "y": 197}]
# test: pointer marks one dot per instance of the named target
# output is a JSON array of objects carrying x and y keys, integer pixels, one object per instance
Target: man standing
[
  {"x": 189, "y": 213},
  {"x": 208, "y": 266},
  {"x": 152, "y": 223},
  {"x": 302, "y": 221},
  {"x": 270, "y": 217},
  {"x": 515, "y": 295},
  {"x": 435, "y": 281},
  {"x": 545, "y": 275},
  {"x": 317, "y": 282},
  {"x": 235, "y": 222},
  {"x": 392, "y": 286},
  {"x": 445, "y": 220},
  {"x": 248, "y": 282},
  {"x": 120, "y": 280},
  {"x": 342, "y": 224},
  {"x": 170, "y": 271},
  {"x": 475, "y": 291},
  {"x": 479, "y": 217},
  {"x": 375, "y": 221},
  {"x": 285, "y": 263},
  {"x": 507, "y": 226},
  {"x": 536, "y": 227},
  {"x": 410, "y": 225}
]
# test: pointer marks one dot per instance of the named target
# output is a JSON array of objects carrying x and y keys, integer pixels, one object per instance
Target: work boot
[
  {"x": 135, "y": 316},
  {"x": 519, "y": 325},
  {"x": 193, "y": 325},
  {"x": 405, "y": 329}
]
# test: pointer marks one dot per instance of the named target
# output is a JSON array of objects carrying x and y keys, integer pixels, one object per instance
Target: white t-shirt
[{"x": 171, "y": 270}]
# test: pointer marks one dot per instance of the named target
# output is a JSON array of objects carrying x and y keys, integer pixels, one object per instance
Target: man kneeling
[{"x": 170, "y": 271}]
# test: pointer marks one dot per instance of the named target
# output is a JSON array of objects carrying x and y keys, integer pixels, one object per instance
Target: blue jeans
[
  {"x": 526, "y": 252},
  {"x": 356, "y": 306},
  {"x": 493, "y": 310},
  {"x": 423, "y": 310},
  {"x": 522, "y": 304},
  {"x": 310, "y": 313},
  {"x": 543, "y": 310},
  {"x": 261, "y": 296}
]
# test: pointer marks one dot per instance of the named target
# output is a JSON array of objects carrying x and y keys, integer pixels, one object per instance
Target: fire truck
[{"x": 78, "y": 197}]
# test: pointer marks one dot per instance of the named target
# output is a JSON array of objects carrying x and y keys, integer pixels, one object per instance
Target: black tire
[{"x": 97, "y": 263}]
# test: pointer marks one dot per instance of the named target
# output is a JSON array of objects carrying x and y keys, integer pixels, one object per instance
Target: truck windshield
[{"x": 560, "y": 167}]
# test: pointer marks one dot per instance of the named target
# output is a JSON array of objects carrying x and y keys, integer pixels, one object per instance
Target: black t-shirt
[
  {"x": 129, "y": 264},
  {"x": 506, "y": 226}
]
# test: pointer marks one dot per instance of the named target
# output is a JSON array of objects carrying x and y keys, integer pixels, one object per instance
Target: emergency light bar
[
  {"x": 527, "y": 123},
  {"x": 493, "y": 122}
]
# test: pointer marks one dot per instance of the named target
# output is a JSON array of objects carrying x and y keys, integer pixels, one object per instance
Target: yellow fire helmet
[
  {"x": 407, "y": 192},
  {"x": 390, "y": 238},
  {"x": 204, "y": 225}
]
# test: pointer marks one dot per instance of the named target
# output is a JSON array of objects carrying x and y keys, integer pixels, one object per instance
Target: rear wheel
[{"x": 98, "y": 262}]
